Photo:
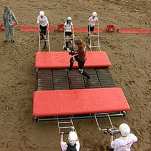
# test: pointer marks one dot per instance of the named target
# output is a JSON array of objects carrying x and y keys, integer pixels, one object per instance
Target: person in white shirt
[
  {"x": 126, "y": 140},
  {"x": 73, "y": 143},
  {"x": 68, "y": 30},
  {"x": 93, "y": 19},
  {"x": 43, "y": 23}
]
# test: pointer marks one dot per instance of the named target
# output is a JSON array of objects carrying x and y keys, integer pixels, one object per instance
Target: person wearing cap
[
  {"x": 9, "y": 20},
  {"x": 68, "y": 30},
  {"x": 73, "y": 143},
  {"x": 79, "y": 55},
  {"x": 126, "y": 140},
  {"x": 43, "y": 23},
  {"x": 93, "y": 19}
]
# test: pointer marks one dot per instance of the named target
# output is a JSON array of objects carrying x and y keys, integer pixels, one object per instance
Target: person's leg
[
  {"x": 45, "y": 32},
  {"x": 81, "y": 68},
  {"x": 11, "y": 32},
  {"x": 71, "y": 63},
  {"x": 6, "y": 34},
  {"x": 41, "y": 33},
  {"x": 92, "y": 29},
  {"x": 88, "y": 30}
]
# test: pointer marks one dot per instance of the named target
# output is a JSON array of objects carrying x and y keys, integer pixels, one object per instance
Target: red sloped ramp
[
  {"x": 135, "y": 31},
  {"x": 61, "y": 59},
  {"x": 78, "y": 102}
]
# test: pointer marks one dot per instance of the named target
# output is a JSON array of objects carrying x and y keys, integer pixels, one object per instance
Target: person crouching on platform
[
  {"x": 43, "y": 23},
  {"x": 79, "y": 56},
  {"x": 73, "y": 142},
  {"x": 9, "y": 19},
  {"x": 68, "y": 31},
  {"x": 93, "y": 19},
  {"x": 126, "y": 140}
]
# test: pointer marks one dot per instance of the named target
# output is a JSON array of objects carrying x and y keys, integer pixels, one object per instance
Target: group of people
[
  {"x": 78, "y": 53},
  {"x": 75, "y": 47},
  {"x": 123, "y": 143},
  {"x": 78, "y": 48}
]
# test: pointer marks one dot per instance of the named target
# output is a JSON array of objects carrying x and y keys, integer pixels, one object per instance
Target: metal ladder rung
[
  {"x": 64, "y": 122},
  {"x": 95, "y": 46},
  {"x": 68, "y": 38},
  {"x": 94, "y": 35},
  {"x": 65, "y": 127}
]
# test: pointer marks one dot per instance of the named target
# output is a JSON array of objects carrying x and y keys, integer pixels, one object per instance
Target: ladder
[
  {"x": 92, "y": 36},
  {"x": 110, "y": 129},
  {"x": 44, "y": 40},
  {"x": 65, "y": 126}
]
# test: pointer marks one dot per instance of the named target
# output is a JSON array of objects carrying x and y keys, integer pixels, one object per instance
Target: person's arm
[
  {"x": 64, "y": 26},
  {"x": 113, "y": 143},
  {"x": 78, "y": 146},
  {"x": 38, "y": 20},
  {"x": 61, "y": 139},
  {"x": 89, "y": 19},
  {"x": 62, "y": 143},
  {"x": 14, "y": 18},
  {"x": 47, "y": 21}
]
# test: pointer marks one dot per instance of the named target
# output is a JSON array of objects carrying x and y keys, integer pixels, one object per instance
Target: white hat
[
  {"x": 41, "y": 13},
  {"x": 72, "y": 138},
  {"x": 124, "y": 129},
  {"x": 94, "y": 14},
  {"x": 69, "y": 18}
]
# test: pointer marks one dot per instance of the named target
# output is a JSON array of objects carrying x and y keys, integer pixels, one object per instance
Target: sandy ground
[{"x": 130, "y": 56}]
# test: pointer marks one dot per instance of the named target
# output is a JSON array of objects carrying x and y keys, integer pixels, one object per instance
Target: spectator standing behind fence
[{"x": 9, "y": 20}]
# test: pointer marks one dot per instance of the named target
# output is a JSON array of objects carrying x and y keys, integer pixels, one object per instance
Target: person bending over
[{"x": 79, "y": 55}]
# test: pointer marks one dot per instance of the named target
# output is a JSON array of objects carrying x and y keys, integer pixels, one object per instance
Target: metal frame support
[{"x": 91, "y": 35}]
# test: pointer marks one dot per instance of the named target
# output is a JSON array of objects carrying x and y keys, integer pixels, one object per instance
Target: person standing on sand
[
  {"x": 126, "y": 140},
  {"x": 9, "y": 20},
  {"x": 93, "y": 19},
  {"x": 68, "y": 32},
  {"x": 43, "y": 24}
]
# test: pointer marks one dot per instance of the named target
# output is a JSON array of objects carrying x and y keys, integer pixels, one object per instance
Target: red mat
[
  {"x": 30, "y": 28},
  {"x": 135, "y": 31},
  {"x": 61, "y": 59},
  {"x": 80, "y": 101},
  {"x": 52, "y": 28},
  {"x": 85, "y": 30},
  {"x": 1, "y": 27}
]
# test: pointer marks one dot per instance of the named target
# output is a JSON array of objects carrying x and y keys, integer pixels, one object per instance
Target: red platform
[
  {"x": 135, "y": 31},
  {"x": 78, "y": 102},
  {"x": 61, "y": 59}
]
